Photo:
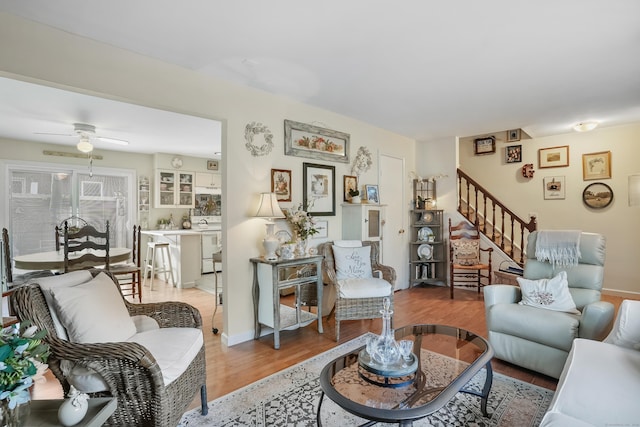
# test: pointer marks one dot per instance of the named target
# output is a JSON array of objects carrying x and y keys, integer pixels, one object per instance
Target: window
[{"x": 52, "y": 193}]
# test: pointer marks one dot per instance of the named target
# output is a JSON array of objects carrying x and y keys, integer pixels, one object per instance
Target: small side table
[
  {"x": 271, "y": 276},
  {"x": 44, "y": 413}
]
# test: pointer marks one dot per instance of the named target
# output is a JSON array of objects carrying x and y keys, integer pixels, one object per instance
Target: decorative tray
[
  {"x": 425, "y": 252},
  {"x": 425, "y": 234},
  {"x": 394, "y": 375}
]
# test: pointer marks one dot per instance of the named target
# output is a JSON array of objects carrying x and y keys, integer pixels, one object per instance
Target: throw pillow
[
  {"x": 466, "y": 252},
  {"x": 73, "y": 278},
  {"x": 93, "y": 312},
  {"x": 352, "y": 262},
  {"x": 550, "y": 294}
]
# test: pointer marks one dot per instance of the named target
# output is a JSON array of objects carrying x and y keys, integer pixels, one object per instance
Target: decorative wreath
[
  {"x": 253, "y": 129},
  {"x": 362, "y": 162}
]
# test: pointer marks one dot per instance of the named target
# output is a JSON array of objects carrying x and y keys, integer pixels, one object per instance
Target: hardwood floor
[{"x": 229, "y": 368}]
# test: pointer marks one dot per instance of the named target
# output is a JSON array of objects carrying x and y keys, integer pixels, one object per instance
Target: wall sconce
[
  {"x": 634, "y": 190},
  {"x": 269, "y": 209}
]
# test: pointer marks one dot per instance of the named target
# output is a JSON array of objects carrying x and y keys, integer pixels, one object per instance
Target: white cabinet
[
  {"x": 208, "y": 180},
  {"x": 362, "y": 221},
  {"x": 174, "y": 189}
]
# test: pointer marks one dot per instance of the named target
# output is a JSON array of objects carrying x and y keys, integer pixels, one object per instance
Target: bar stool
[{"x": 150, "y": 267}]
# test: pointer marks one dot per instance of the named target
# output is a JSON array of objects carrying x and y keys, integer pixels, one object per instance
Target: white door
[{"x": 395, "y": 248}]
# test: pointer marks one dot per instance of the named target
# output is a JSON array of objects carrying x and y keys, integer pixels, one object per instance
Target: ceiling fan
[{"x": 86, "y": 132}]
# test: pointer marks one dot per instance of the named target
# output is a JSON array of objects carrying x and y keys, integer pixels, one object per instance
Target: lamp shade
[
  {"x": 269, "y": 207},
  {"x": 84, "y": 145}
]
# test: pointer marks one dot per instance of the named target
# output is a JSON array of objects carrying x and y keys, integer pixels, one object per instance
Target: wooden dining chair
[
  {"x": 9, "y": 278},
  {"x": 465, "y": 253},
  {"x": 74, "y": 222},
  {"x": 84, "y": 241},
  {"x": 129, "y": 274}
]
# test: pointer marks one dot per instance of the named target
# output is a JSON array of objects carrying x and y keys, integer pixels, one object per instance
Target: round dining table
[{"x": 54, "y": 260}]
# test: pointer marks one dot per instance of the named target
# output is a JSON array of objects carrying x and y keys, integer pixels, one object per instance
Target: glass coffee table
[{"x": 448, "y": 358}]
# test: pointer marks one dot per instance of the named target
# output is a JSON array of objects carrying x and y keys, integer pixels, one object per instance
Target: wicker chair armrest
[
  {"x": 169, "y": 314},
  {"x": 110, "y": 361},
  {"x": 388, "y": 273}
]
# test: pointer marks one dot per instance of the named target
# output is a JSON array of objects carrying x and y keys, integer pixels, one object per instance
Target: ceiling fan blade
[
  {"x": 54, "y": 134},
  {"x": 113, "y": 140}
]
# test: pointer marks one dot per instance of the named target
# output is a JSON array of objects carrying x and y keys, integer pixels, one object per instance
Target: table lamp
[{"x": 269, "y": 209}]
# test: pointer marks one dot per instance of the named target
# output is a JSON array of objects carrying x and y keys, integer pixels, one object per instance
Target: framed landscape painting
[{"x": 553, "y": 157}]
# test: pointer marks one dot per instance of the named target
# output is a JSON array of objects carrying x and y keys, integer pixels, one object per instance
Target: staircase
[{"x": 497, "y": 222}]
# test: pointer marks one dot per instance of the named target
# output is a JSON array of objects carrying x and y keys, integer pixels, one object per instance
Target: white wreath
[
  {"x": 253, "y": 129},
  {"x": 362, "y": 162}
]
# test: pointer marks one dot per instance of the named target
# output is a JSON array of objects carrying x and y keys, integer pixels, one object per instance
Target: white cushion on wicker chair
[
  {"x": 93, "y": 312},
  {"x": 348, "y": 243},
  {"x": 60, "y": 281},
  {"x": 369, "y": 287},
  {"x": 173, "y": 349}
]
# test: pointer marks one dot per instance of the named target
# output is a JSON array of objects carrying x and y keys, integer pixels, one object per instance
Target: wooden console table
[{"x": 269, "y": 277}]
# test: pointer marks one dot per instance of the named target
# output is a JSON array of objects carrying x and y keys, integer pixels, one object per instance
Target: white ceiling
[{"x": 424, "y": 69}]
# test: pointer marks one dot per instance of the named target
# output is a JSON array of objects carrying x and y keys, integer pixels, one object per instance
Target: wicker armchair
[
  {"x": 355, "y": 308},
  {"x": 128, "y": 368}
]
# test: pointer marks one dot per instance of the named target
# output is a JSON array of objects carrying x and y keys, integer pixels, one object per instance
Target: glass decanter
[{"x": 385, "y": 349}]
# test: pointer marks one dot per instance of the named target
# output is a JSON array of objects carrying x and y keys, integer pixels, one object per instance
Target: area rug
[{"x": 290, "y": 398}]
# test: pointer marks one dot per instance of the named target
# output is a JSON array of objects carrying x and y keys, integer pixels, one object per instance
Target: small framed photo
[
  {"x": 513, "y": 154},
  {"x": 554, "y": 187},
  {"x": 485, "y": 145},
  {"x": 596, "y": 165},
  {"x": 213, "y": 165},
  {"x": 597, "y": 195},
  {"x": 372, "y": 193},
  {"x": 281, "y": 184},
  {"x": 323, "y": 229},
  {"x": 553, "y": 157},
  {"x": 350, "y": 183},
  {"x": 513, "y": 135}
]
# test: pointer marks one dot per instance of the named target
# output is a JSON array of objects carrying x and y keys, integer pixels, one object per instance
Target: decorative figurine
[{"x": 74, "y": 408}]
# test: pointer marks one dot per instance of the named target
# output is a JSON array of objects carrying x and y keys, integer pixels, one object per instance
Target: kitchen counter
[{"x": 185, "y": 248}]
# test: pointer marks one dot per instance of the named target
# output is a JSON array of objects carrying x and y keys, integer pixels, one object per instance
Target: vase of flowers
[
  {"x": 22, "y": 358},
  {"x": 304, "y": 226}
]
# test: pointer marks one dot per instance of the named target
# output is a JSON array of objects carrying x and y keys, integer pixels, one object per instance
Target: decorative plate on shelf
[
  {"x": 427, "y": 217},
  {"x": 425, "y": 234},
  {"x": 425, "y": 252}
]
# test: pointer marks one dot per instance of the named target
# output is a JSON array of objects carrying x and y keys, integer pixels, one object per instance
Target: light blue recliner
[{"x": 540, "y": 339}]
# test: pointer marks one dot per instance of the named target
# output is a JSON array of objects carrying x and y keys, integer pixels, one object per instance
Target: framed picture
[
  {"x": 553, "y": 157},
  {"x": 596, "y": 165},
  {"x": 213, "y": 165},
  {"x": 281, "y": 184},
  {"x": 372, "y": 193},
  {"x": 513, "y": 154},
  {"x": 554, "y": 187},
  {"x": 313, "y": 142},
  {"x": 350, "y": 183},
  {"x": 323, "y": 229},
  {"x": 513, "y": 135},
  {"x": 484, "y": 145},
  {"x": 319, "y": 189},
  {"x": 597, "y": 195}
]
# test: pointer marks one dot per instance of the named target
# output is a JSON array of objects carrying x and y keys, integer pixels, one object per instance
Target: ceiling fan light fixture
[
  {"x": 84, "y": 145},
  {"x": 585, "y": 126}
]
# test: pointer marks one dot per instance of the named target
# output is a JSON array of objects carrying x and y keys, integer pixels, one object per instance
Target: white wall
[
  {"x": 617, "y": 222},
  {"x": 43, "y": 55}
]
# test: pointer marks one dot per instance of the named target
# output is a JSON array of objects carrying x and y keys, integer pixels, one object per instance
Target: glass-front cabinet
[
  {"x": 174, "y": 189},
  {"x": 362, "y": 221}
]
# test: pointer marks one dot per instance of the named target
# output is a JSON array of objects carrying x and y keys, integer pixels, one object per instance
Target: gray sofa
[{"x": 540, "y": 339}]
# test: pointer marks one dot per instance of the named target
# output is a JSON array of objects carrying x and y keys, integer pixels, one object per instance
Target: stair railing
[{"x": 500, "y": 224}]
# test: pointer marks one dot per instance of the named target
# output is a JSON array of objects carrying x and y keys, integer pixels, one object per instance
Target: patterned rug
[{"x": 290, "y": 398}]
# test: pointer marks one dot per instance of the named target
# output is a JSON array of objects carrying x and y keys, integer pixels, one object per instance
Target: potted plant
[{"x": 355, "y": 195}]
